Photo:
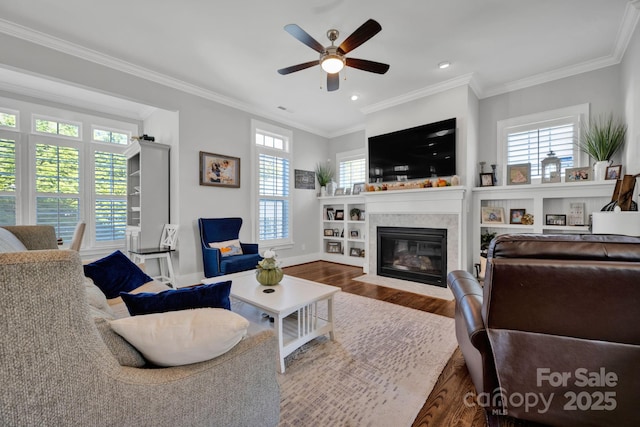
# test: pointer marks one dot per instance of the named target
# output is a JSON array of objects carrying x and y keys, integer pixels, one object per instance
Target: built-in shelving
[{"x": 343, "y": 236}]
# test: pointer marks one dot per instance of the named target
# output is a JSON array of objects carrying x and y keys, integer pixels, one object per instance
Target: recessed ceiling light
[
  {"x": 444, "y": 64},
  {"x": 354, "y": 97}
]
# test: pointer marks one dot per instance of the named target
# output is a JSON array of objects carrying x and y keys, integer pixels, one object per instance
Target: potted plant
[
  {"x": 324, "y": 175},
  {"x": 601, "y": 140},
  {"x": 355, "y": 214}
]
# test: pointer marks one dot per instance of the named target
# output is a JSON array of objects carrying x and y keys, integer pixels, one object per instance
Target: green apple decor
[{"x": 268, "y": 273}]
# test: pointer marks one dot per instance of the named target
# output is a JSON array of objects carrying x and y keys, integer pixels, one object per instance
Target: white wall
[
  {"x": 631, "y": 97},
  {"x": 600, "y": 88}
]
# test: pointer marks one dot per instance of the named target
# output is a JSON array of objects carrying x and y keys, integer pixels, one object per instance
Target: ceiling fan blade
[
  {"x": 304, "y": 37},
  {"x": 359, "y": 36},
  {"x": 333, "y": 82},
  {"x": 294, "y": 68},
  {"x": 371, "y": 66}
]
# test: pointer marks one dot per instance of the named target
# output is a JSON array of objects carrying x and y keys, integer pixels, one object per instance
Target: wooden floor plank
[{"x": 445, "y": 406}]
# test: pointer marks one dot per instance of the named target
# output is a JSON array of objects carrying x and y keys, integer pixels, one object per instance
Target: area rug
[
  {"x": 379, "y": 371},
  {"x": 405, "y": 285}
]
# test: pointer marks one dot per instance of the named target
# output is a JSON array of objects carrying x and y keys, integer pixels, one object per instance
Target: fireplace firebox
[{"x": 415, "y": 254}]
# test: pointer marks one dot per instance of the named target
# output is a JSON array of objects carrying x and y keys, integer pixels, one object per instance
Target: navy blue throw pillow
[
  {"x": 116, "y": 273},
  {"x": 215, "y": 295}
]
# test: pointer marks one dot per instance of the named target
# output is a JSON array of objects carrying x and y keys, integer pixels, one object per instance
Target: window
[
  {"x": 56, "y": 127},
  {"x": 528, "y": 139},
  {"x": 51, "y": 173},
  {"x": 273, "y": 196},
  {"x": 8, "y": 119},
  {"x": 351, "y": 168}
]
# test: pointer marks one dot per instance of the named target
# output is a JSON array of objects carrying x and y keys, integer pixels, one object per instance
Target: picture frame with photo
[
  {"x": 576, "y": 213},
  {"x": 486, "y": 180},
  {"x": 218, "y": 170},
  {"x": 516, "y": 215},
  {"x": 555, "y": 219},
  {"x": 355, "y": 234},
  {"x": 577, "y": 174},
  {"x": 519, "y": 174},
  {"x": 357, "y": 252},
  {"x": 334, "y": 247},
  {"x": 328, "y": 232},
  {"x": 339, "y": 191},
  {"x": 339, "y": 214},
  {"x": 492, "y": 215},
  {"x": 358, "y": 188},
  {"x": 613, "y": 172}
]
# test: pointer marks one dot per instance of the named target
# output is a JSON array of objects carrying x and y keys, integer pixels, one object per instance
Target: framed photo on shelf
[
  {"x": 486, "y": 180},
  {"x": 515, "y": 216},
  {"x": 519, "y": 174},
  {"x": 218, "y": 170},
  {"x": 354, "y": 234},
  {"x": 339, "y": 191},
  {"x": 555, "y": 219},
  {"x": 339, "y": 215},
  {"x": 613, "y": 172},
  {"x": 358, "y": 188},
  {"x": 492, "y": 215},
  {"x": 355, "y": 252},
  {"x": 577, "y": 174},
  {"x": 328, "y": 232},
  {"x": 331, "y": 215},
  {"x": 576, "y": 214},
  {"x": 334, "y": 247}
]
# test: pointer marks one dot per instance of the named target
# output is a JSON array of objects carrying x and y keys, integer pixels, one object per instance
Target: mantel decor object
[
  {"x": 601, "y": 139},
  {"x": 551, "y": 167},
  {"x": 268, "y": 272}
]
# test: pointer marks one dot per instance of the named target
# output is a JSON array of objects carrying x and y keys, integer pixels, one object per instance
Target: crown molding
[{"x": 464, "y": 80}]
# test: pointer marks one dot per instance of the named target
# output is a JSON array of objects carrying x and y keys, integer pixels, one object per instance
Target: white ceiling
[{"x": 230, "y": 51}]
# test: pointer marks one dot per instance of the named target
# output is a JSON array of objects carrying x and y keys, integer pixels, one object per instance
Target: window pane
[
  {"x": 7, "y": 165},
  {"x": 8, "y": 120},
  {"x": 110, "y": 174},
  {"x": 60, "y": 212},
  {"x": 111, "y": 219},
  {"x": 274, "y": 219},
  {"x": 57, "y": 169},
  {"x": 274, "y": 176},
  {"x": 7, "y": 210},
  {"x": 110, "y": 136},
  {"x": 351, "y": 172},
  {"x": 57, "y": 128}
]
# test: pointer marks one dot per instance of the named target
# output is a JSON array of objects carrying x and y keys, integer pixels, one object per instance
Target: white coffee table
[{"x": 293, "y": 304}]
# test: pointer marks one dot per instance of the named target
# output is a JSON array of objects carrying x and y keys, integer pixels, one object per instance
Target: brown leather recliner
[{"x": 554, "y": 335}]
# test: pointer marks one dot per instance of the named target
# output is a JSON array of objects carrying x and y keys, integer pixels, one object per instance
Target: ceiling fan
[{"x": 332, "y": 58}]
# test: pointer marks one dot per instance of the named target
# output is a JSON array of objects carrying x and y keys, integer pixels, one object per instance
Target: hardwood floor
[{"x": 444, "y": 406}]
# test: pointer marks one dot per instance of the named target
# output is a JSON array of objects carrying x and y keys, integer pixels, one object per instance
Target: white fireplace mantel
[{"x": 424, "y": 200}]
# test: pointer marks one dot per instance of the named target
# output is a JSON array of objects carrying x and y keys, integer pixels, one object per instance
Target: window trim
[
  {"x": 504, "y": 127},
  {"x": 58, "y": 120},
  {"x": 287, "y": 135}
]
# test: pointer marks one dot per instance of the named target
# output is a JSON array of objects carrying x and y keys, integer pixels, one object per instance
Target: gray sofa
[{"x": 58, "y": 366}]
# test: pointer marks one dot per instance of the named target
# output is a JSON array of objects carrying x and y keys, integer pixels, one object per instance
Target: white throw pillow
[
  {"x": 9, "y": 242},
  {"x": 228, "y": 247},
  {"x": 181, "y": 337}
]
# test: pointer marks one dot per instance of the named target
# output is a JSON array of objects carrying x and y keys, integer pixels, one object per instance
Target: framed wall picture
[
  {"x": 613, "y": 172},
  {"x": 305, "y": 180},
  {"x": 555, "y": 219},
  {"x": 492, "y": 215},
  {"x": 516, "y": 215},
  {"x": 218, "y": 170},
  {"x": 577, "y": 174},
  {"x": 519, "y": 174},
  {"x": 486, "y": 180}
]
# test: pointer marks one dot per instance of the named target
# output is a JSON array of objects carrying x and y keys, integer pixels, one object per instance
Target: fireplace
[{"x": 415, "y": 254}]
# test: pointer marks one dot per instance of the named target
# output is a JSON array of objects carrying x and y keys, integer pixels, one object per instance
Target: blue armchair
[{"x": 216, "y": 263}]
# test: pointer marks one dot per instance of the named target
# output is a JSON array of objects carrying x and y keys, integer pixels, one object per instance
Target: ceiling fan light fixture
[
  {"x": 332, "y": 63},
  {"x": 444, "y": 64}
]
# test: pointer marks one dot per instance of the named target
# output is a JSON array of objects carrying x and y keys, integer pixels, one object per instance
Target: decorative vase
[
  {"x": 323, "y": 191},
  {"x": 600, "y": 170},
  {"x": 331, "y": 188},
  {"x": 269, "y": 277}
]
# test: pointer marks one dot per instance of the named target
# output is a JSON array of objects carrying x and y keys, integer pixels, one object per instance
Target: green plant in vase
[
  {"x": 268, "y": 272},
  {"x": 354, "y": 213},
  {"x": 324, "y": 175},
  {"x": 603, "y": 138}
]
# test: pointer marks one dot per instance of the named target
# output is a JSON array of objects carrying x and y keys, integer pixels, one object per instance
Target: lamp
[{"x": 332, "y": 62}]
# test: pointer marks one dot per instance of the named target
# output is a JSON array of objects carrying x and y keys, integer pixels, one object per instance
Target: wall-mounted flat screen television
[{"x": 417, "y": 153}]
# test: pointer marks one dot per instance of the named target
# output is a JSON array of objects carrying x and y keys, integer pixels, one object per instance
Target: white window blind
[
  {"x": 7, "y": 181},
  {"x": 58, "y": 188},
  {"x": 351, "y": 172},
  {"x": 110, "y": 189},
  {"x": 273, "y": 188},
  {"x": 533, "y": 145}
]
